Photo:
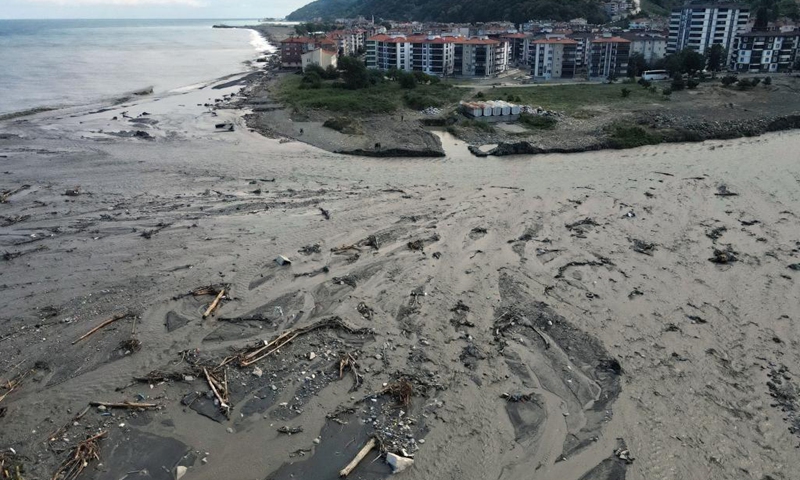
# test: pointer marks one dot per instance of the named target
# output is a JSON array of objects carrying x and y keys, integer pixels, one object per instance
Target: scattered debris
[
  {"x": 14, "y": 383},
  {"x": 349, "y": 280},
  {"x": 325, "y": 213},
  {"x": 281, "y": 260},
  {"x": 348, "y": 361},
  {"x": 696, "y": 319},
  {"x": 128, "y": 405},
  {"x": 290, "y": 430},
  {"x": 132, "y": 345},
  {"x": 111, "y": 320},
  {"x": 716, "y": 233},
  {"x": 310, "y": 249},
  {"x": 517, "y": 397},
  {"x": 722, "y": 191},
  {"x": 401, "y": 390},
  {"x": 623, "y": 453},
  {"x": 365, "y": 310},
  {"x": 214, "y": 304},
  {"x": 73, "y": 192},
  {"x": 255, "y": 354},
  {"x": 795, "y": 267},
  {"x": 417, "y": 245},
  {"x": 220, "y": 390},
  {"x": 640, "y": 246},
  {"x": 4, "y": 196},
  {"x": 82, "y": 454},
  {"x": 460, "y": 307},
  {"x": 8, "y": 256},
  {"x": 372, "y": 443},
  {"x": 723, "y": 257},
  {"x": 586, "y": 222},
  {"x": 588, "y": 263},
  {"x": 398, "y": 463}
]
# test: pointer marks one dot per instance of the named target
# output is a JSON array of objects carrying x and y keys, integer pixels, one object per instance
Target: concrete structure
[
  {"x": 652, "y": 46},
  {"x": 433, "y": 55},
  {"x": 389, "y": 51},
  {"x": 554, "y": 58},
  {"x": 480, "y": 57},
  {"x": 608, "y": 56},
  {"x": 321, "y": 57},
  {"x": 438, "y": 55},
  {"x": 765, "y": 52},
  {"x": 292, "y": 50},
  {"x": 517, "y": 48},
  {"x": 698, "y": 26}
]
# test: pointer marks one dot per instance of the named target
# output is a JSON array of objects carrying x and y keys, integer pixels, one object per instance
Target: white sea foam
[{"x": 260, "y": 43}]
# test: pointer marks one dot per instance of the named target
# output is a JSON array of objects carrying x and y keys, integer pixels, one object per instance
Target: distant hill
[{"x": 466, "y": 11}]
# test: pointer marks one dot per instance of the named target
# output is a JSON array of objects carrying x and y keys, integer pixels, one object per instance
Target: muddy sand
[{"x": 601, "y": 315}]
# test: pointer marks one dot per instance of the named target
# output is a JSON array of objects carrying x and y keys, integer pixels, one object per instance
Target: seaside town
[{"x": 548, "y": 50}]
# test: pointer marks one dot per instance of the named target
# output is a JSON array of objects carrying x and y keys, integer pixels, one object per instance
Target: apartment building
[
  {"x": 433, "y": 55},
  {"x": 517, "y": 47},
  {"x": 652, "y": 46},
  {"x": 438, "y": 55},
  {"x": 318, "y": 56},
  {"x": 292, "y": 50},
  {"x": 554, "y": 58},
  {"x": 389, "y": 51},
  {"x": 765, "y": 51},
  {"x": 698, "y": 26},
  {"x": 608, "y": 56}
]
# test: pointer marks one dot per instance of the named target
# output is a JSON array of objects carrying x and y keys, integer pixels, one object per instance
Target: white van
[{"x": 655, "y": 75}]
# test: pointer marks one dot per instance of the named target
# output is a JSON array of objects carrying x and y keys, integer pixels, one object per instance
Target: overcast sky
[{"x": 148, "y": 8}]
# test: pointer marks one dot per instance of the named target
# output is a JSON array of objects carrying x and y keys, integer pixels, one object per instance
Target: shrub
[
  {"x": 692, "y": 83},
  {"x": 331, "y": 73},
  {"x": 728, "y": 80},
  {"x": 626, "y": 136},
  {"x": 311, "y": 80},
  {"x": 666, "y": 91},
  {"x": 767, "y": 81},
  {"x": 626, "y": 92},
  {"x": 479, "y": 95},
  {"x": 755, "y": 81},
  {"x": 745, "y": 84},
  {"x": 375, "y": 77},
  {"x": 537, "y": 121},
  {"x": 628, "y": 81},
  {"x": 653, "y": 89},
  {"x": 407, "y": 81},
  {"x": 315, "y": 68},
  {"x": 678, "y": 83},
  {"x": 645, "y": 83}
]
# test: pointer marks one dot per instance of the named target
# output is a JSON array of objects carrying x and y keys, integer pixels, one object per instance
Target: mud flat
[{"x": 592, "y": 316}]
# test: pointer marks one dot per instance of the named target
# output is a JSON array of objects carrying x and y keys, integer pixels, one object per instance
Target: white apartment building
[{"x": 698, "y": 26}]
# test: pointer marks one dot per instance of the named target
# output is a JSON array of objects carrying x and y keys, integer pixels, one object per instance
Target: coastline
[
  {"x": 387, "y": 136},
  {"x": 545, "y": 310}
]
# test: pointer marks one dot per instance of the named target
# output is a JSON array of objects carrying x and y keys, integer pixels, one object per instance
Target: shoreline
[{"x": 540, "y": 314}]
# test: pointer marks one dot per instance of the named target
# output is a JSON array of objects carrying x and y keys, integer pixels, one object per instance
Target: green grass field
[
  {"x": 385, "y": 97},
  {"x": 573, "y": 97}
]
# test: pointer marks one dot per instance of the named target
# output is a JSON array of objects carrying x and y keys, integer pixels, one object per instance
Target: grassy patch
[
  {"x": 384, "y": 97},
  {"x": 631, "y": 136},
  {"x": 571, "y": 98},
  {"x": 537, "y": 121}
]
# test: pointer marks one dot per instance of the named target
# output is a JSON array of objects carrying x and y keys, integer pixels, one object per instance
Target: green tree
[
  {"x": 354, "y": 73},
  {"x": 716, "y": 58},
  {"x": 636, "y": 65},
  {"x": 678, "y": 83},
  {"x": 765, "y": 11},
  {"x": 407, "y": 80}
]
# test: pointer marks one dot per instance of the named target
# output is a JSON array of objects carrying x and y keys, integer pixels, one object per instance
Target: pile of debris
[
  {"x": 433, "y": 111},
  {"x": 539, "y": 111}
]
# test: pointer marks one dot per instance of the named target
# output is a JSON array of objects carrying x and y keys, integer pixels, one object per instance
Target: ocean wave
[{"x": 260, "y": 43}]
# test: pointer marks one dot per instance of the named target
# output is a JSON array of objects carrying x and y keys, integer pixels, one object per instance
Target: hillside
[{"x": 517, "y": 11}]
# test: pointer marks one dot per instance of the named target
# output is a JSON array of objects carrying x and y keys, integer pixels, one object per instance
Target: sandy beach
[{"x": 616, "y": 314}]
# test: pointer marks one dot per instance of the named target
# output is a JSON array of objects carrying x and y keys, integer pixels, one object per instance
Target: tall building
[
  {"x": 765, "y": 52},
  {"x": 516, "y": 45},
  {"x": 292, "y": 50},
  {"x": 652, "y": 46},
  {"x": 389, "y": 51},
  {"x": 554, "y": 58},
  {"x": 698, "y": 26},
  {"x": 438, "y": 55},
  {"x": 608, "y": 56},
  {"x": 433, "y": 55}
]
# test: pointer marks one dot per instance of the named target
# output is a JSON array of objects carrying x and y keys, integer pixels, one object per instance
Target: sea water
[{"x": 55, "y": 63}]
